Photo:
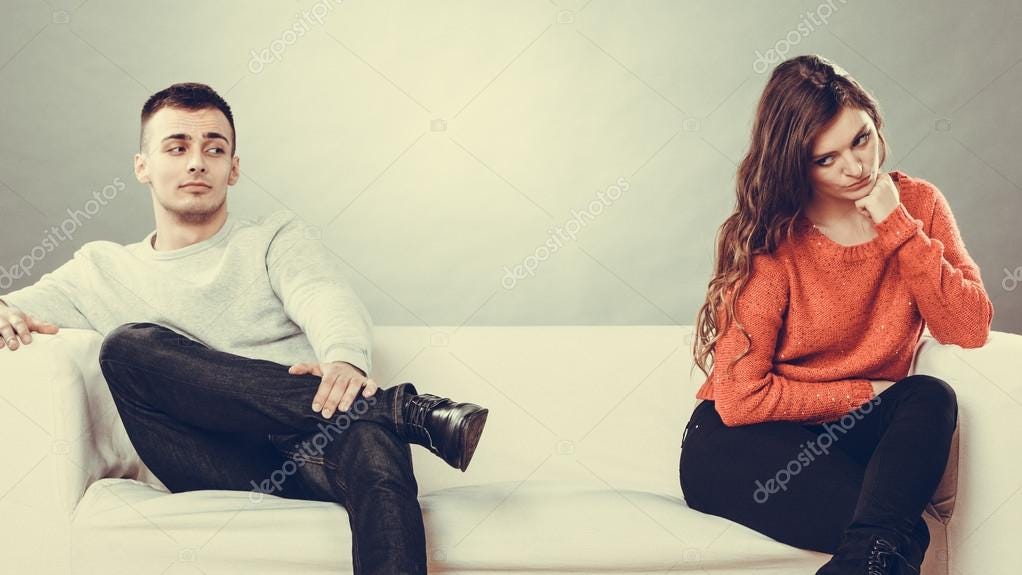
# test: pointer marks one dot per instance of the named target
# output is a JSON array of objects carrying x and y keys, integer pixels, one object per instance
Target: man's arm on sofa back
[{"x": 53, "y": 298}]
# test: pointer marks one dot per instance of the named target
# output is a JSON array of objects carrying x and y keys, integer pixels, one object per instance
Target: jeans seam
[
  {"x": 292, "y": 455},
  {"x": 335, "y": 476},
  {"x": 398, "y": 400}
]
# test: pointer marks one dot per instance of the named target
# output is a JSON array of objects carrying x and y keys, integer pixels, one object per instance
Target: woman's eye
[
  {"x": 863, "y": 139},
  {"x": 825, "y": 161}
]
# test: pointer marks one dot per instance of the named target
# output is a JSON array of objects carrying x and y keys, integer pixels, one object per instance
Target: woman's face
[{"x": 845, "y": 157}]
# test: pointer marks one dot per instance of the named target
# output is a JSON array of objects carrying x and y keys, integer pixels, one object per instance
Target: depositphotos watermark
[
  {"x": 275, "y": 51},
  {"x": 810, "y": 21},
  {"x": 560, "y": 235},
  {"x": 1011, "y": 279},
  {"x": 811, "y": 449},
  {"x": 312, "y": 447},
  {"x": 58, "y": 234}
]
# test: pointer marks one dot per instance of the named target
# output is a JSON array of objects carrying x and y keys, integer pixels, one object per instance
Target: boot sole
[{"x": 470, "y": 434}]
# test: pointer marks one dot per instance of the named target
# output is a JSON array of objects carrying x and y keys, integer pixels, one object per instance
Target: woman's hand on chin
[{"x": 881, "y": 200}]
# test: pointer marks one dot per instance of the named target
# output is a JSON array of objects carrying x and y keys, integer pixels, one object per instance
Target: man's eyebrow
[
  {"x": 207, "y": 136},
  {"x": 857, "y": 134}
]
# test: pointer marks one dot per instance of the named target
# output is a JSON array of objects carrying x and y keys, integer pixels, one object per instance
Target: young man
[{"x": 234, "y": 346}]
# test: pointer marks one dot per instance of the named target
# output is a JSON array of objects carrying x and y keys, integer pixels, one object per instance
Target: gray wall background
[{"x": 435, "y": 145}]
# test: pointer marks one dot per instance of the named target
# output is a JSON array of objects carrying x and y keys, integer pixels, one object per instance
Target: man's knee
[{"x": 126, "y": 340}]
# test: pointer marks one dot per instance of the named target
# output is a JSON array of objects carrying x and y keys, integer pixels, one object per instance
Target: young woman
[{"x": 809, "y": 430}]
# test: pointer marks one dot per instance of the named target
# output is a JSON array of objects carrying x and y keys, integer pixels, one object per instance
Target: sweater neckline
[
  {"x": 218, "y": 237},
  {"x": 822, "y": 243}
]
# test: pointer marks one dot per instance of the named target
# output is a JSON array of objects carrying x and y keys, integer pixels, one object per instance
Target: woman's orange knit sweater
[{"x": 824, "y": 319}]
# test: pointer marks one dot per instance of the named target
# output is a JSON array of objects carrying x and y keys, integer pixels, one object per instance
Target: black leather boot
[
  {"x": 450, "y": 430},
  {"x": 872, "y": 552}
]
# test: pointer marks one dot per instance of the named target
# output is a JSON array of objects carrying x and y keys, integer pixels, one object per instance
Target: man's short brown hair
[{"x": 186, "y": 96}]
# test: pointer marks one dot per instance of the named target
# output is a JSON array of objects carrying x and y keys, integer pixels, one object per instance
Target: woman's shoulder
[{"x": 772, "y": 266}]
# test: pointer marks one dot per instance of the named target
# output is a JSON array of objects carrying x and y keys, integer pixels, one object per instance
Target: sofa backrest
[{"x": 604, "y": 404}]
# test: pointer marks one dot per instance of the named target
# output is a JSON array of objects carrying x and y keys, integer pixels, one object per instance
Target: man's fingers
[
  {"x": 303, "y": 368},
  {"x": 16, "y": 329},
  {"x": 319, "y": 401},
  {"x": 20, "y": 326},
  {"x": 7, "y": 333},
  {"x": 370, "y": 388},
  {"x": 40, "y": 326},
  {"x": 336, "y": 393},
  {"x": 354, "y": 386}
]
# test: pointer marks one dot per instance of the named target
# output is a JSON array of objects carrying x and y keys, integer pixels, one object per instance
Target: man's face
[{"x": 188, "y": 163}]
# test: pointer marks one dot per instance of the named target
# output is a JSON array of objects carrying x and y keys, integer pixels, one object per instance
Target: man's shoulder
[
  {"x": 101, "y": 248},
  {"x": 268, "y": 223}
]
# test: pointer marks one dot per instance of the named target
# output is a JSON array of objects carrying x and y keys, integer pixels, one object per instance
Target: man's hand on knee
[{"x": 339, "y": 385}]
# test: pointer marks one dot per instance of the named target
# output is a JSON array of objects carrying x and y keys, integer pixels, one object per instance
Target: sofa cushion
[{"x": 531, "y": 526}]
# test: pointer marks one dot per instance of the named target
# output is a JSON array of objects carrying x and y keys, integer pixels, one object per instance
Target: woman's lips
[{"x": 859, "y": 185}]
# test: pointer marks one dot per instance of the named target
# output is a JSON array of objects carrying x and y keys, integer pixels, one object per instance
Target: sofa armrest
[
  {"x": 61, "y": 374},
  {"x": 989, "y": 473}
]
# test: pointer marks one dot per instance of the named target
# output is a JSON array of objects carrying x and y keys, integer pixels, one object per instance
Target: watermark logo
[
  {"x": 310, "y": 448},
  {"x": 564, "y": 234},
  {"x": 305, "y": 23},
  {"x": 810, "y": 451},
  {"x": 56, "y": 235},
  {"x": 810, "y": 22}
]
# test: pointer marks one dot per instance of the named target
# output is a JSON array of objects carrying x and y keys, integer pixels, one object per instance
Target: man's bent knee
[{"x": 127, "y": 337}]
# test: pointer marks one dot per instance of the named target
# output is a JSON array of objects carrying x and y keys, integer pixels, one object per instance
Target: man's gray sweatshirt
[{"x": 262, "y": 288}]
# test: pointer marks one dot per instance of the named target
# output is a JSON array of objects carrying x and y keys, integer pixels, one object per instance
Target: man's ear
[
  {"x": 141, "y": 169},
  {"x": 235, "y": 171}
]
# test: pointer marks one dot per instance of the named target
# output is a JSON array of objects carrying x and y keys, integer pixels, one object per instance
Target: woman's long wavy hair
[{"x": 803, "y": 95}]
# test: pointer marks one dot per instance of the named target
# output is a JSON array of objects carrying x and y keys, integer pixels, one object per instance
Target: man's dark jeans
[{"x": 205, "y": 419}]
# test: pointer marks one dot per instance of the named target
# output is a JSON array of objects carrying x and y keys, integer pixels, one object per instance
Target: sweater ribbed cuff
[
  {"x": 355, "y": 357},
  {"x": 862, "y": 392},
  {"x": 857, "y": 393},
  {"x": 896, "y": 229}
]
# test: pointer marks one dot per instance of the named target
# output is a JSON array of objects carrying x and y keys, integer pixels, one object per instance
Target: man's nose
[{"x": 196, "y": 163}]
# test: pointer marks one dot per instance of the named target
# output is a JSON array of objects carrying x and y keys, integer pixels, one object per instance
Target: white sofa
[{"x": 577, "y": 470}]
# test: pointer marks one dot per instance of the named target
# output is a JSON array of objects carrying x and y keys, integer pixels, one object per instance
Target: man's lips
[{"x": 196, "y": 185}]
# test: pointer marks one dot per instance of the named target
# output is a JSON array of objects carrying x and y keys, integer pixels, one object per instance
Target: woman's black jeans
[
  {"x": 205, "y": 419},
  {"x": 875, "y": 468}
]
